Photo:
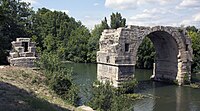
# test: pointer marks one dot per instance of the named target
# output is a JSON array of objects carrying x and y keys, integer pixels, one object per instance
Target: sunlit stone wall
[
  {"x": 118, "y": 53},
  {"x": 23, "y": 53}
]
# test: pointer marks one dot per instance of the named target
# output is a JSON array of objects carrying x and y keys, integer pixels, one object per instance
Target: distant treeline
[{"x": 55, "y": 32}]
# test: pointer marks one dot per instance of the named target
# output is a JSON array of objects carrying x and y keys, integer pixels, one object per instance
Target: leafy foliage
[
  {"x": 117, "y": 21},
  {"x": 107, "y": 98},
  {"x": 57, "y": 32},
  {"x": 93, "y": 42},
  {"x": 146, "y": 53},
  {"x": 195, "y": 36},
  {"x": 128, "y": 87},
  {"x": 59, "y": 78},
  {"x": 78, "y": 45},
  {"x": 53, "y": 31},
  {"x": 102, "y": 96},
  {"x": 14, "y": 22}
]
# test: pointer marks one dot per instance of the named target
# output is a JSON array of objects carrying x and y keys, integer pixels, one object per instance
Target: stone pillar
[
  {"x": 154, "y": 71},
  {"x": 23, "y": 53},
  {"x": 115, "y": 73}
]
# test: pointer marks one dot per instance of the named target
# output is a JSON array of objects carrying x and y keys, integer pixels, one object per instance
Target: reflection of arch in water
[{"x": 118, "y": 49}]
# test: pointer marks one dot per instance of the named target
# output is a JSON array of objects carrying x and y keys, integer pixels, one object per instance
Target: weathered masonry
[
  {"x": 23, "y": 53},
  {"x": 118, "y": 53}
]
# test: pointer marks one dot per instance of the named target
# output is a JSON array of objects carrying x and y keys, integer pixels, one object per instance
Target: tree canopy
[
  {"x": 15, "y": 21},
  {"x": 56, "y": 32},
  {"x": 195, "y": 36},
  {"x": 117, "y": 21}
]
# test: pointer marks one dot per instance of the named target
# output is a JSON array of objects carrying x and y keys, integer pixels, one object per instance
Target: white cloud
[
  {"x": 152, "y": 17},
  {"x": 121, "y": 4},
  {"x": 197, "y": 17},
  {"x": 189, "y": 4},
  {"x": 142, "y": 17},
  {"x": 161, "y": 2},
  {"x": 87, "y": 16},
  {"x": 133, "y": 4},
  {"x": 158, "y": 12},
  {"x": 151, "y": 14},
  {"x": 90, "y": 22},
  {"x": 30, "y": 1},
  {"x": 193, "y": 20},
  {"x": 96, "y": 4},
  {"x": 66, "y": 11},
  {"x": 189, "y": 22},
  {"x": 186, "y": 22}
]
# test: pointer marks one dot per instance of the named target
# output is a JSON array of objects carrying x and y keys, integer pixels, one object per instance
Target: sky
[{"x": 137, "y": 12}]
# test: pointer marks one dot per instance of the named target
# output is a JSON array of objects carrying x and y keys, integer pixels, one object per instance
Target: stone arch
[{"x": 173, "y": 62}]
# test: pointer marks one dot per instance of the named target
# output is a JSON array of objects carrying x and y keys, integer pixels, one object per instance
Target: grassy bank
[{"x": 24, "y": 89}]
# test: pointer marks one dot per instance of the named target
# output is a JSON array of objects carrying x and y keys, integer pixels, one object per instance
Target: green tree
[
  {"x": 15, "y": 21},
  {"x": 93, "y": 42},
  {"x": 104, "y": 24},
  {"x": 58, "y": 77},
  {"x": 77, "y": 45},
  {"x": 195, "y": 36},
  {"x": 105, "y": 97},
  {"x": 56, "y": 32},
  {"x": 117, "y": 21},
  {"x": 145, "y": 54},
  {"x": 191, "y": 28}
]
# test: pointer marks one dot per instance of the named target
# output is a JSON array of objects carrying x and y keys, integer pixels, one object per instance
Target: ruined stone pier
[
  {"x": 118, "y": 53},
  {"x": 23, "y": 53}
]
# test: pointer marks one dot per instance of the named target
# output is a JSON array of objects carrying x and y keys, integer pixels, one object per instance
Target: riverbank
[{"x": 24, "y": 89}]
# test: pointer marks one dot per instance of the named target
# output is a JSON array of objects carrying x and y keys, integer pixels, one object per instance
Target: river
[{"x": 163, "y": 96}]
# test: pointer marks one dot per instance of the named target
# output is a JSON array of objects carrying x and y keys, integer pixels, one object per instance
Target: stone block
[
  {"x": 27, "y": 54},
  {"x": 23, "y": 39},
  {"x": 16, "y": 44},
  {"x": 14, "y": 55},
  {"x": 20, "y": 57},
  {"x": 32, "y": 44},
  {"x": 19, "y": 49},
  {"x": 23, "y": 61},
  {"x": 32, "y": 49}
]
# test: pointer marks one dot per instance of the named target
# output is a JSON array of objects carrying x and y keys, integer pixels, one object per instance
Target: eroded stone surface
[
  {"x": 118, "y": 49},
  {"x": 23, "y": 53}
]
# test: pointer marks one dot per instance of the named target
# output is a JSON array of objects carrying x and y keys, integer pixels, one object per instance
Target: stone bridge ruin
[
  {"x": 118, "y": 53},
  {"x": 23, "y": 53}
]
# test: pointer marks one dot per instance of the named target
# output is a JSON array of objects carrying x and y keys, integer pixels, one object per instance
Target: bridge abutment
[{"x": 115, "y": 73}]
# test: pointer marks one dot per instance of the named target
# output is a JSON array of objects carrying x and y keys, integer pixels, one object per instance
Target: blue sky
[{"x": 137, "y": 12}]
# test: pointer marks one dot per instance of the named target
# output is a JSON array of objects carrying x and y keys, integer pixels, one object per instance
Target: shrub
[
  {"x": 105, "y": 97},
  {"x": 128, "y": 87},
  {"x": 58, "y": 77},
  {"x": 61, "y": 83},
  {"x": 102, "y": 95}
]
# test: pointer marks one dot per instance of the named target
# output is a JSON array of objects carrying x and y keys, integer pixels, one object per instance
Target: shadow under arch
[{"x": 166, "y": 59}]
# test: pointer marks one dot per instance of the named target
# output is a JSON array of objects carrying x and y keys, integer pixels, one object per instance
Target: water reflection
[
  {"x": 168, "y": 98},
  {"x": 163, "y": 97}
]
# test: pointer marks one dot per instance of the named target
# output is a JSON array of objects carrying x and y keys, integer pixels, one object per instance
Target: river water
[{"x": 162, "y": 96}]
